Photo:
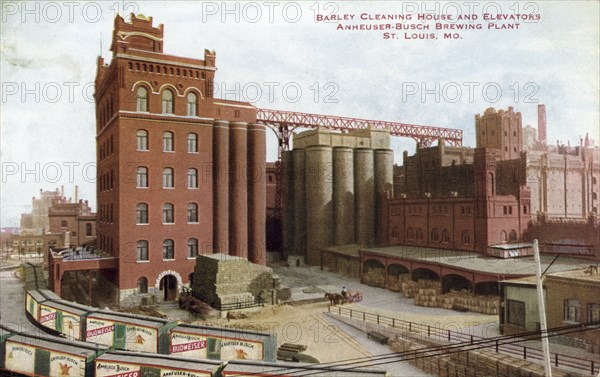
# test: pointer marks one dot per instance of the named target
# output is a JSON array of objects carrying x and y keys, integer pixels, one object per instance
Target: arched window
[
  {"x": 192, "y": 178},
  {"x": 142, "y": 285},
  {"x": 435, "y": 235},
  {"x": 192, "y": 247},
  {"x": 168, "y": 145},
  {"x": 512, "y": 236},
  {"x": 88, "y": 229},
  {"x": 445, "y": 236},
  {"x": 395, "y": 232},
  {"x": 142, "y": 177},
  {"x": 64, "y": 224},
  {"x": 167, "y": 102},
  {"x": 168, "y": 249},
  {"x": 419, "y": 234},
  {"x": 142, "y": 99},
  {"x": 503, "y": 237},
  {"x": 142, "y": 213},
  {"x": 142, "y": 250},
  {"x": 410, "y": 234},
  {"x": 168, "y": 214},
  {"x": 167, "y": 178},
  {"x": 466, "y": 237},
  {"x": 192, "y": 212},
  {"x": 192, "y": 102},
  {"x": 142, "y": 140},
  {"x": 192, "y": 143}
]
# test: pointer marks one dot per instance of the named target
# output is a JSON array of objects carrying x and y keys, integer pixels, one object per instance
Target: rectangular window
[
  {"x": 593, "y": 312},
  {"x": 572, "y": 311},
  {"x": 516, "y": 313},
  {"x": 142, "y": 251}
]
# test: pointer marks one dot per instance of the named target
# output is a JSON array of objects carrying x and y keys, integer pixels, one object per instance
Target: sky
[{"x": 285, "y": 56}]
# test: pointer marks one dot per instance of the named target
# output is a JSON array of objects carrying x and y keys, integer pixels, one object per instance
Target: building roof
[
  {"x": 351, "y": 250},
  {"x": 477, "y": 262},
  {"x": 589, "y": 274}
]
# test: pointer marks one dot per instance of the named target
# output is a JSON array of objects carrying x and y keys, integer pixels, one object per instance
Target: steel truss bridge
[{"x": 283, "y": 123}]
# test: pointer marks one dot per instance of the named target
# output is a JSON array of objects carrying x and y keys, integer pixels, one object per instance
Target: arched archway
[
  {"x": 424, "y": 273},
  {"x": 373, "y": 273},
  {"x": 396, "y": 275},
  {"x": 456, "y": 283},
  {"x": 487, "y": 288},
  {"x": 169, "y": 284}
]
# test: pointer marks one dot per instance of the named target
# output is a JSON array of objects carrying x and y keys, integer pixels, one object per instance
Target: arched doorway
[
  {"x": 424, "y": 273},
  {"x": 168, "y": 286},
  {"x": 456, "y": 283},
  {"x": 373, "y": 273}
]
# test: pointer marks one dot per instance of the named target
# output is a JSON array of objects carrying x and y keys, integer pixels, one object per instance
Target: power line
[
  {"x": 453, "y": 348},
  {"x": 432, "y": 351}
]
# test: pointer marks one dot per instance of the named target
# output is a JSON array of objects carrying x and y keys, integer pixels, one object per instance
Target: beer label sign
[
  {"x": 100, "y": 331},
  {"x": 188, "y": 345},
  {"x": 65, "y": 365},
  {"x": 20, "y": 358},
  {"x": 48, "y": 317},
  {"x": 140, "y": 338},
  {"x": 71, "y": 326},
  {"x": 111, "y": 369},
  {"x": 241, "y": 350},
  {"x": 183, "y": 373}
]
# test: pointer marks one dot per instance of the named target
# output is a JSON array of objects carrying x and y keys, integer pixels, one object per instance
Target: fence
[{"x": 527, "y": 353}]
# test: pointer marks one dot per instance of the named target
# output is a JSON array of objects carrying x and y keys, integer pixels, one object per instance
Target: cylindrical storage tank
[
  {"x": 319, "y": 202},
  {"x": 343, "y": 195},
  {"x": 384, "y": 182},
  {"x": 288, "y": 203},
  {"x": 221, "y": 186},
  {"x": 238, "y": 189},
  {"x": 257, "y": 194},
  {"x": 364, "y": 190},
  {"x": 299, "y": 179}
]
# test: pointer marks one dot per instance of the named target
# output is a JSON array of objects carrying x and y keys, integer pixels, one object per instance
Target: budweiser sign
[
  {"x": 175, "y": 348},
  {"x": 100, "y": 331}
]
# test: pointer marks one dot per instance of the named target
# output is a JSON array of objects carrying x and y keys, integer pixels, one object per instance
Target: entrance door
[{"x": 168, "y": 284}]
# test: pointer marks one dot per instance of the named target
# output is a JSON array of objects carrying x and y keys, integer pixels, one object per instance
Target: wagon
[{"x": 353, "y": 296}]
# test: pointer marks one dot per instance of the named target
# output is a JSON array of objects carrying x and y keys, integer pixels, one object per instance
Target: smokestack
[
  {"x": 542, "y": 124},
  {"x": 62, "y": 191},
  {"x": 76, "y": 189}
]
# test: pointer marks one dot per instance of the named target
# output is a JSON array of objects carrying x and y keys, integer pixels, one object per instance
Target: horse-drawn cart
[{"x": 349, "y": 296}]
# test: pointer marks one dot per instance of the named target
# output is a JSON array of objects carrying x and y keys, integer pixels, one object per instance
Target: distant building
[
  {"x": 466, "y": 199},
  {"x": 37, "y": 222},
  {"x": 55, "y": 221},
  {"x": 530, "y": 137}
]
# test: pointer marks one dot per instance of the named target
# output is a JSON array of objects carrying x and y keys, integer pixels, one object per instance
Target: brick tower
[
  {"x": 501, "y": 130},
  {"x": 180, "y": 173}
]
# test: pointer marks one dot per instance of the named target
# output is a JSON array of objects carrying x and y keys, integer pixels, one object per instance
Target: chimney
[
  {"x": 542, "y": 124},
  {"x": 76, "y": 189}
]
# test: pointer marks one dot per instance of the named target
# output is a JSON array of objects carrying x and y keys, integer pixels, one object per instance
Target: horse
[{"x": 335, "y": 298}]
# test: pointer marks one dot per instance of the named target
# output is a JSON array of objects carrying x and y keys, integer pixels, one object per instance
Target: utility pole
[{"x": 542, "y": 309}]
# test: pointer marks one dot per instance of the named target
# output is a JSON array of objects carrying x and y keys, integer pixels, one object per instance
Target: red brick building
[
  {"x": 179, "y": 171},
  {"x": 461, "y": 198}
]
